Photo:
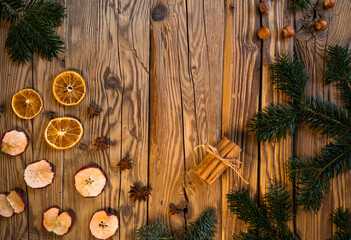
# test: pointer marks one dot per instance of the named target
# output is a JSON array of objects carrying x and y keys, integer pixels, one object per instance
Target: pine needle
[
  {"x": 266, "y": 222},
  {"x": 312, "y": 174},
  {"x": 301, "y": 5},
  {"x": 31, "y": 30},
  {"x": 342, "y": 221}
]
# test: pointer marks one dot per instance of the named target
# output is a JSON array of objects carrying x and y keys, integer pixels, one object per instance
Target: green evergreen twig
[
  {"x": 300, "y": 5},
  {"x": 267, "y": 222},
  {"x": 273, "y": 123},
  {"x": 342, "y": 221},
  {"x": 203, "y": 228},
  {"x": 31, "y": 28}
]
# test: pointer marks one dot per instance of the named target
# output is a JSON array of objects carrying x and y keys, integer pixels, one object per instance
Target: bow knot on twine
[{"x": 233, "y": 163}]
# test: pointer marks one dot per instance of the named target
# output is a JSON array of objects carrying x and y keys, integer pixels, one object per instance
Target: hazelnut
[
  {"x": 329, "y": 3},
  {"x": 264, "y": 33},
  {"x": 288, "y": 31},
  {"x": 264, "y": 6},
  {"x": 321, "y": 24}
]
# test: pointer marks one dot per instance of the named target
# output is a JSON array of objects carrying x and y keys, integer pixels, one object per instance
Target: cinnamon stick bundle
[{"x": 212, "y": 167}]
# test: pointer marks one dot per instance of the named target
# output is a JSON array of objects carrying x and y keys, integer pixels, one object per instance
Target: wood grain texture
[
  {"x": 89, "y": 49},
  {"x": 310, "y": 47},
  {"x": 201, "y": 96},
  {"x": 167, "y": 83},
  {"x": 166, "y": 156},
  {"x": 133, "y": 39},
  {"x": 273, "y": 156},
  {"x": 241, "y": 89},
  {"x": 44, "y": 73},
  {"x": 339, "y": 16},
  {"x": 14, "y": 77}
]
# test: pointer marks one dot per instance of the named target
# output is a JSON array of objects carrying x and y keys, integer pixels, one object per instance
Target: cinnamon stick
[
  {"x": 212, "y": 167},
  {"x": 209, "y": 158}
]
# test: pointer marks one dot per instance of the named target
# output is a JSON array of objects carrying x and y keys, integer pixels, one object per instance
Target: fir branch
[
  {"x": 274, "y": 122},
  {"x": 325, "y": 117},
  {"x": 290, "y": 77},
  {"x": 267, "y": 222},
  {"x": 313, "y": 174},
  {"x": 300, "y": 5},
  {"x": 9, "y": 9},
  {"x": 155, "y": 231},
  {"x": 342, "y": 221},
  {"x": 203, "y": 228},
  {"x": 278, "y": 205},
  {"x": 31, "y": 29},
  {"x": 339, "y": 70}
]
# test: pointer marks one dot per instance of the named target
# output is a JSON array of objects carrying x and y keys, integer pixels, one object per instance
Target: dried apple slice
[
  {"x": 103, "y": 224},
  {"x": 16, "y": 201},
  {"x": 90, "y": 181},
  {"x": 14, "y": 142},
  {"x": 56, "y": 221},
  {"x": 5, "y": 208},
  {"x": 39, "y": 174}
]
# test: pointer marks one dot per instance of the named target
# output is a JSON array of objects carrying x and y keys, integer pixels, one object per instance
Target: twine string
[{"x": 230, "y": 162}]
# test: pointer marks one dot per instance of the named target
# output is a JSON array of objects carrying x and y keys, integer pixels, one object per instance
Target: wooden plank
[
  {"x": 44, "y": 73},
  {"x": 273, "y": 156},
  {"x": 14, "y": 77},
  {"x": 133, "y": 39},
  {"x": 92, "y": 50},
  {"x": 339, "y": 17},
  {"x": 166, "y": 156},
  {"x": 241, "y": 89},
  {"x": 310, "y": 49},
  {"x": 202, "y": 96}
]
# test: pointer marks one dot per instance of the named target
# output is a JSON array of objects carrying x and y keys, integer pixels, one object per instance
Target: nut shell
[
  {"x": 329, "y": 3},
  {"x": 264, "y": 33},
  {"x": 321, "y": 24},
  {"x": 288, "y": 31},
  {"x": 264, "y": 7}
]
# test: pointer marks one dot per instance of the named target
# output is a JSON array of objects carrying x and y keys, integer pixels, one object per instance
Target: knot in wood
[
  {"x": 83, "y": 146},
  {"x": 2, "y": 109},
  {"x": 112, "y": 83},
  {"x": 159, "y": 13}
]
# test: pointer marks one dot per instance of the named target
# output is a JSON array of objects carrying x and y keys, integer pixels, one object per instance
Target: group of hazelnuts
[{"x": 289, "y": 31}]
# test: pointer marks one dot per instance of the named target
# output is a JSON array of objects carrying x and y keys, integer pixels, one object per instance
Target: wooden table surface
[{"x": 167, "y": 82}]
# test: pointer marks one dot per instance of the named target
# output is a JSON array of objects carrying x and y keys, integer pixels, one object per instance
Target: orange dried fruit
[
  {"x": 14, "y": 142},
  {"x": 11, "y": 203},
  {"x": 103, "y": 224},
  {"x": 63, "y": 132},
  {"x": 90, "y": 181},
  {"x": 39, "y": 174},
  {"x": 27, "y": 103},
  {"x": 56, "y": 221},
  {"x": 16, "y": 201},
  {"x": 69, "y": 88},
  {"x": 5, "y": 208}
]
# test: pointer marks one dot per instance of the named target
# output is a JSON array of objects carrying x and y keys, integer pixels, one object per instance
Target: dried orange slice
[
  {"x": 63, "y": 133},
  {"x": 69, "y": 88},
  {"x": 27, "y": 103}
]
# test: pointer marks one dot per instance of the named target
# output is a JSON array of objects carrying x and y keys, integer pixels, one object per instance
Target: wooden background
[{"x": 168, "y": 82}]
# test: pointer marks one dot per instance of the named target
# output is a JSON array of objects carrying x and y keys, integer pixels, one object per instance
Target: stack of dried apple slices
[{"x": 11, "y": 203}]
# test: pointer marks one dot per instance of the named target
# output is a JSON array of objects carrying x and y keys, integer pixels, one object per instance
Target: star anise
[
  {"x": 125, "y": 163},
  {"x": 138, "y": 193},
  {"x": 101, "y": 143},
  {"x": 93, "y": 110},
  {"x": 173, "y": 210}
]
